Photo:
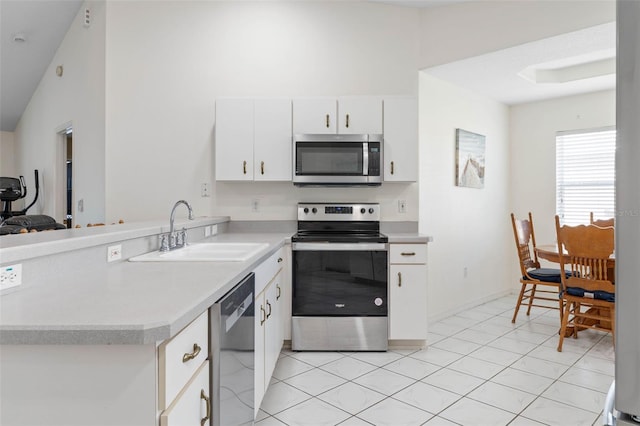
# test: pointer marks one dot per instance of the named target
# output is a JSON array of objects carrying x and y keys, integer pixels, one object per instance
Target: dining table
[{"x": 549, "y": 252}]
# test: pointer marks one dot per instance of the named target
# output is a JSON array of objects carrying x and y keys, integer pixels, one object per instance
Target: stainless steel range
[{"x": 339, "y": 278}]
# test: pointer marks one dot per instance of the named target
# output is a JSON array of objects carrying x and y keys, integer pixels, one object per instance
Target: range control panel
[{"x": 339, "y": 212}]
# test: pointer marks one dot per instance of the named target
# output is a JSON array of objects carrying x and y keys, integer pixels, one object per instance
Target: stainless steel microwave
[{"x": 337, "y": 160}]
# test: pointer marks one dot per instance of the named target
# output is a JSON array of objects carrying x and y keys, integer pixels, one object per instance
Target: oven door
[{"x": 339, "y": 279}]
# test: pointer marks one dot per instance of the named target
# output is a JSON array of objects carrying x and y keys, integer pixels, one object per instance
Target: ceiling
[
  {"x": 569, "y": 64},
  {"x": 43, "y": 24}
]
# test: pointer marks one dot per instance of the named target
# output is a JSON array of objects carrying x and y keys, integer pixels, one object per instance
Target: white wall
[
  {"x": 533, "y": 151},
  {"x": 470, "y": 226},
  {"x": 76, "y": 98},
  {"x": 472, "y": 28},
  {"x": 7, "y": 154},
  {"x": 168, "y": 61}
]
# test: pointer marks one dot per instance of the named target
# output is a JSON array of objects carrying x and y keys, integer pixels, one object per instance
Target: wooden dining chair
[
  {"x": 603, "y": 223},
  {"x": 588, "y": 291},
  {"x": 532, "y": 275}
]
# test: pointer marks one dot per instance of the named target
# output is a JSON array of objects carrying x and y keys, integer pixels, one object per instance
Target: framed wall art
[{"x": 470, "y": 153}]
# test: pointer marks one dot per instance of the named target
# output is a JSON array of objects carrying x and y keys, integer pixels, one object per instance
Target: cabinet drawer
[
  {"x": 407, "y": 253},
  {"x": 179, "y": 358},
  {"x": 268, "y": 269},
  {"x": 193, "y": 404}
]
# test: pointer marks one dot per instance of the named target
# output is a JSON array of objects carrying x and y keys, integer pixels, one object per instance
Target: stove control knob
[
  {"x": 370, "y": 210},
  {"x": 314, "y": 210},
  {"x": 306, "y": 210},
  {"x": 363, "y": 210}
]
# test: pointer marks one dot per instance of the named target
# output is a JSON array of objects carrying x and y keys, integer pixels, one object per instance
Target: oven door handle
[{"x": 339, "y": 247}]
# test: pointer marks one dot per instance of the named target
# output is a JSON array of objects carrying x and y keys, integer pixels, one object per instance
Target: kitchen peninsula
[{"x": 80, "y": 338}]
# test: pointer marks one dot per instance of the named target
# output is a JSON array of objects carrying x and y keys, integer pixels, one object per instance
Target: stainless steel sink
[{"x": 205, "y": 252}]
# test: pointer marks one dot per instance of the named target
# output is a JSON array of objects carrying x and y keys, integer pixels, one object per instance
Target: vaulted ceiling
[{"x": 31, "y": 32}]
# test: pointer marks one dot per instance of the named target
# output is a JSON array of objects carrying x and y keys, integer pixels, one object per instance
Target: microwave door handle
[{"x": 365, "y": 159}]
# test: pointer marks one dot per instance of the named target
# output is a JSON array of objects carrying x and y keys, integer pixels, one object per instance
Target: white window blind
[{"x": 585, "y": 175}]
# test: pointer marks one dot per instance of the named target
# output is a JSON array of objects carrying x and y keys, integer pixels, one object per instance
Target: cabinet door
[
  {"x": 192, "y": 406},
  {"x": 179, "y": 358},
  {"x": 234, "y": 139},
  {"x": 273, "y": 329},
  {"x": 272, "y": 144},
  {"x": 314, "y": 116},
  {"x": 259, "y": 385},
  {"x": 360, "y": 115},
  {"x": 408, "y": 302},
  {"x": 400, "y": 140}
]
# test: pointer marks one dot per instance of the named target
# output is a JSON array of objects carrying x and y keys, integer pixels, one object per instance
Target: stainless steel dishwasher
[{"x": 232, "y": 355}]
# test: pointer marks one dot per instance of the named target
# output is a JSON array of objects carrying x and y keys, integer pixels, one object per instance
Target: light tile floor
[{"x": 478, "y": 369}]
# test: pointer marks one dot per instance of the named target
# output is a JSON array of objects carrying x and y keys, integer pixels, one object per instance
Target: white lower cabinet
[
  {"x": 408, "y": 291},
  {"x": 180, "y": 357},
  {"x": 269, "y": 325},
  {"x": 193, "y": 405},
  {"x": 183, "y": 383}
]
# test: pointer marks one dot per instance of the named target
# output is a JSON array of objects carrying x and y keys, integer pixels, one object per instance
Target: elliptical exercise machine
[{"x": 14, "y": 189}]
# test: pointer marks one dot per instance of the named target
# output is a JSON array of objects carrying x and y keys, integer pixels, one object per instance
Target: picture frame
[{"x": 470, "y": 159}]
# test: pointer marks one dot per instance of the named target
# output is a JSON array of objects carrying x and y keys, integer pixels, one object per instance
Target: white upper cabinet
[
  {"x": 343, "y": 115},
  {"x": 234, "y": 139},
  {"x": 253, "y": 139},
  {"x": 272, "y": 139},
  {"x": 314, "y": 115},
  {"x": 360, "y": 115},
  {"x": 400, "y": 139}
]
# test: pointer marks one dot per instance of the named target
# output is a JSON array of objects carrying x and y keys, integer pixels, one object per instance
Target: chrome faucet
[{"x": 174, "y": 240}]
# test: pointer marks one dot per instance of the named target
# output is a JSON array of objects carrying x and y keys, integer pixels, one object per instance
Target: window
[{"x": 585, "y": 175}]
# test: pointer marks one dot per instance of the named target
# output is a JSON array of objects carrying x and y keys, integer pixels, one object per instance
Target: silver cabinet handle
[
  {"x": 279, "y": 260},
  {"x": 262, "y": 167},
  {"x": 392, "y": 167},
  {"x": 411, "y": 253},
  {"x": 269, "y": 305},
  {"x": 207, "y": 402},
  {"x": 327, "y": 119},
  {"x": 279, "y": 291},
  {"x": 399, "y": 279},
  {"x": 244, "y": 167},
  {"x": 189, "y": 356},
  {"x": 263, "y": 317},
  {"x": 347, "y": 123}
]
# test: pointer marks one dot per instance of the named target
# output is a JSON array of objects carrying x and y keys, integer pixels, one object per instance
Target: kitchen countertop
[
  {"x": 408, "y": 237},
  {"x": 124, "y": 302}
]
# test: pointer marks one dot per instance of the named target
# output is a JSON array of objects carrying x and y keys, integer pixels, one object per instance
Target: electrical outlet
[
  {"x": 254, "y": 206},
  {"x": 204, "y": 190},
  {"x": 402, "y": 206},
  {"x": 10, "y": 276},
  {"x": 114, "y": 253},
  {"x": 207, "y": 231}
]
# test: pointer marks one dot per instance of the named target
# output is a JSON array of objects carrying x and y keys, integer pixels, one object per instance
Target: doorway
[
  {"x": 69, "y": 180},
  {"x": 64, "y": 176}
]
